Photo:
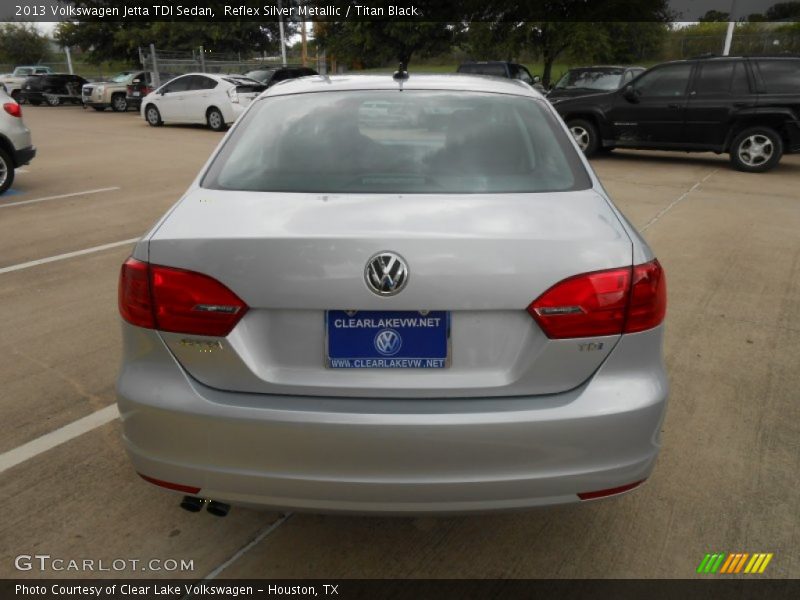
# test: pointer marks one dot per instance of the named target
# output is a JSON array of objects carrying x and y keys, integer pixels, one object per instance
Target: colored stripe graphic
[{"x": 734, "y": 563}]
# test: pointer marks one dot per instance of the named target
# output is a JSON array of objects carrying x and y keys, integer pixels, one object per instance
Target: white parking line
[
  {"x": 676, "y": 202},
  {"x": 247, "y": 547},
  {"x": 70, "y": 195},
  {"x": 55, "y": 438},
  {"x": 49, "y": 259}
]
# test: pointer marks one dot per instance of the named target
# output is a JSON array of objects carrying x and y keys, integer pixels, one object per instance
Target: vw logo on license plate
[{"x": 388, "y": 342}]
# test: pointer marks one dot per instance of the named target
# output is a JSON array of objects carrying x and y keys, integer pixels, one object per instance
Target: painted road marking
[
  {"x": 676, "y": 202},
  {"x": 65, "y": 256},
  {"x": 55, "y": 438},
  {"x": 70, "y": 195}
]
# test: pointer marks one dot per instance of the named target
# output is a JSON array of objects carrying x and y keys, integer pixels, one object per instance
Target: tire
[
  {"x": 6, "y": 171},
  {"x": 119, "y": 103},
  {"x": 52, "y": 100},
  {"x": 586, "y": 135},
  {"x": 215, "y": 120},
  {"x": 152, "y": 116},
  {"x": 756, "y": 149}
]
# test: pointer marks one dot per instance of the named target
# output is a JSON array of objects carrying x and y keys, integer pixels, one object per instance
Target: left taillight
[
  {"x": 12, "y": 108},
  {"x": 177, "y": 300}
]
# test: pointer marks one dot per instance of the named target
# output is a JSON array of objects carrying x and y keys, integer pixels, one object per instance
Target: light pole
[
  {"x": 280, "y": 25},
  {"x": 729, "y": 34}
]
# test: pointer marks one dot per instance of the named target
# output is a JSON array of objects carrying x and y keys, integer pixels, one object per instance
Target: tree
[
  {"x": 589, "y": 31},
  {"x": 107, "y": 40},
  {"x": 21, "y": 43},
  {"x": 715, "y": 15},
  {"x": 372, "y": 43}
]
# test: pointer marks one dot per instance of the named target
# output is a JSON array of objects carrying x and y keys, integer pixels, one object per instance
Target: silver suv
[{"x": 15, "y": 141}]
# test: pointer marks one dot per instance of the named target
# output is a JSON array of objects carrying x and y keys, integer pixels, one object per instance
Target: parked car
[
  {"x": 53, "y": 89},
  {"x": 114, "y": 92},
  {"x": 139, "y": 88},
  {"x": 498, "y": 68},
  {"x": 16, "y": 148},
  {"x": 344, "y": 316},
  {"x": 213, "y": 99},
  {"x": 272, "y": 75},
  {"x": 592, "y": 80},
  {"x": 12, "y": 82},
  {"x": 747, "y": 107}
]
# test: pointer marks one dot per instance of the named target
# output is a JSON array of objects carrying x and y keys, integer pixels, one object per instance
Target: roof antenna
[{"x": 401, "y": 74}]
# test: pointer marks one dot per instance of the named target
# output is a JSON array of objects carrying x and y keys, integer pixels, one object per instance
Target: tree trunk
[{"x": 547, "y": 70}]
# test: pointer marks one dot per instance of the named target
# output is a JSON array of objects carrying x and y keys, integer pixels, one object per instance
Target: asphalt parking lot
[{"x": 726, "y": 481}]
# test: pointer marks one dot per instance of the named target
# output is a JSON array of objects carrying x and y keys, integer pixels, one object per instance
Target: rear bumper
[
  {"x": 25, "y": 155},
  {"x": 401, "y": 456}
]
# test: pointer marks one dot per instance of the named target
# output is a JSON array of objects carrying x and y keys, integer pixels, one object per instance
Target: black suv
[
  {"x": 748, "y": 107},
  {"x": 54, "y": 88},
  {"x": 272, "y": 75},
  {"x": 499, "y": 68}
]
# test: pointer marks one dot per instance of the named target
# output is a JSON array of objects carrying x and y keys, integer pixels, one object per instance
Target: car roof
[{"x": 449, "y": 82}]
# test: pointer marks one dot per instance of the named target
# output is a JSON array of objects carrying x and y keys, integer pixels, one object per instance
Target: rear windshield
[
  {"x": 245, "y": 84},
  {"x": 398, "y": 142},
  {"x": 590, "y": 79}
]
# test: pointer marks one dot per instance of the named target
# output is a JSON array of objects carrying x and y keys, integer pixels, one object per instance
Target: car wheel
[
  {"x": 215, "y": 120},
  {"x": 119, "y": 103},
  {"x": 152, "y": 116},
  {"x": 756, "y": 149},
  {"x": 6, "y": 171},
  {"x": 585, "y": 134},
  {"x": 53, "y": 100}
]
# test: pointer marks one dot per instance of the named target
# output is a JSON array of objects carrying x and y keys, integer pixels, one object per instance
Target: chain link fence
[
  {"x": 202, "y": 61},
  {"x": 748, "y": 44}
]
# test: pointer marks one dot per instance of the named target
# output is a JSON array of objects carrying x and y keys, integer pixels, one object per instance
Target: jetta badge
[{"x": 386, "y": 273}]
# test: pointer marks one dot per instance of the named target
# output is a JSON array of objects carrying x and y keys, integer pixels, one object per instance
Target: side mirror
[
  {"x": 630, "y": 94},
  {"x": 537, "y": 79}
]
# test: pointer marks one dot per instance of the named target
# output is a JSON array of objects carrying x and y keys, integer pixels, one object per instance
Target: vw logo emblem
[
  {"x": 388, "y": 342},
  {"x": 386, "y": 273}
]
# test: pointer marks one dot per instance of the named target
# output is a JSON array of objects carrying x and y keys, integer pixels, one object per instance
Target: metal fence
[
  {"x": 89, "y": 71},
  {"x": 749, "y": 44},
  {"x": 202, "y": 61}
]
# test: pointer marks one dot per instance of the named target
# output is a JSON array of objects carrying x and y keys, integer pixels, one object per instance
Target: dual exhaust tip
[{"x": 195, "y": 504}]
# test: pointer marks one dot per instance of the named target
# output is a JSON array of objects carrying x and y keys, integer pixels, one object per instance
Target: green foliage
[
  {"x": 22, "y": 44},
  {"x": 108, "y": 40},
  {"x": 371, "y": 43}
]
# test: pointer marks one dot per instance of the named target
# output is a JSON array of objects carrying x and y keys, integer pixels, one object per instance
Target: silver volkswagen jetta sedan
[{"x": 434, "y": 307}]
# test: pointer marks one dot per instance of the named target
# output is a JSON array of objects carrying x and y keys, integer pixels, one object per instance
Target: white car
[
  {"x": 15, "y": 141},
  {"x": 216, "y": 100}
]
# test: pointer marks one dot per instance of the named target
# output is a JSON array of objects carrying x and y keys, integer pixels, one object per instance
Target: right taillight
[
  {"x": 177, "y": 300},
  {"x": 12, "y": 108},
  {"x": 611, "y": 302},
  {"x": 648, "y": 303}
]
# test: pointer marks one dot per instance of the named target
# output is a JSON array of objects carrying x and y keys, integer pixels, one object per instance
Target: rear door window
[
  {"x": 780, "y": 76},
  {"x": 714, "y": 78}
]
